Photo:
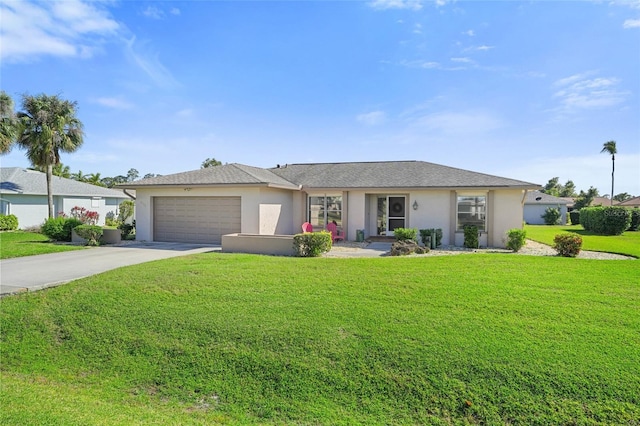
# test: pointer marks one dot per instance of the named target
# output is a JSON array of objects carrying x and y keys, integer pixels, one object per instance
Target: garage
[{"x": 195, "y": 219}]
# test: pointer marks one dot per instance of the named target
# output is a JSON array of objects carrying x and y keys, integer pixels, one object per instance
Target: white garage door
[{"x": 195, "y": 219}]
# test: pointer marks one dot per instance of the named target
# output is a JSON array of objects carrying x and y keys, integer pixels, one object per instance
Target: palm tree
[
  {"x": 610, "y": 147},
  {"x": 94, "y": 179},
  {"x": 47, "y": 126},
  {"x": 58, "y": 170},
  {"x": 79, "y": 176},
  {"x": 8, "y": 123}
]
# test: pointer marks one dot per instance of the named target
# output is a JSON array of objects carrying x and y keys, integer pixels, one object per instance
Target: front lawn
[
  {"x": 20, "y": 243},
  {"x": 628, "y": 243},
  {"x": 242, "y": 339}
]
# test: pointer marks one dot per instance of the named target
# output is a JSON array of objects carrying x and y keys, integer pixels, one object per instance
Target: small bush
[
  {"x": 567, "y": 245},
  {"x": 406, "y": 234},
  {"x": 126, "y": 229},
  {"x": 126, "y": 209},
  {"x": 311, "y": 244},
  {"x": 516, "y": 239},
  {"x": 91, "y": 233},
  {"x": 110, "y": 219},
  {"x": 635, "y": 219},
  {"x": 574, "y": 216},
  {"x": 471, "y": 237},
  {"x": 551, "y": 216},
  {"x": 405, "y": 247},
  {"x": 85, "y": 216},
  {"x": 424, "y": 233},
  {"x": 59, "y": 228},
  {"x": 8, "y": 222}
]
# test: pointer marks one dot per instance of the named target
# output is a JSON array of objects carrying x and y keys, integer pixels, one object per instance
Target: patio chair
[
  {"x": 307, "y": 227},
  {"x": 333, "y": 228}
]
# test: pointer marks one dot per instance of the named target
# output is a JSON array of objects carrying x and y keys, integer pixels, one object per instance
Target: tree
[
  {"x": 58, "y": 170},
  {"x": 48, "y": 126},
  {"x": 568, "y": 190},
  {"x": 610, "y": 148},
  {"x": 8, "y": 123},
  {"x": 623, "y": 196},
  {"x": 552, "y": 187},
  {"x": 210, "y": 162},
  {"x": 94, "y": 179},
  {"x": 79, "y": 176},
  {"x": 132, "y": 175},
  {"x": 585, "y": 198},
  {"x": 150, "y": 175}
]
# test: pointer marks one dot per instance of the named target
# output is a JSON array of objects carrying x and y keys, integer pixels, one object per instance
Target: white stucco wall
[
  {"x": 507, "y": 214},
  {"x": 434, "y": 211},
  {"x": 264, "y": 210},
  {"x": 356, "y": 217},
  {"x": 32, "y": 210},
  {"x": 533, "y": 213}
]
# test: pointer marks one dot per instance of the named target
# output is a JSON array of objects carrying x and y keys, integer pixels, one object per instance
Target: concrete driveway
[{"x": 47, "y": 270}]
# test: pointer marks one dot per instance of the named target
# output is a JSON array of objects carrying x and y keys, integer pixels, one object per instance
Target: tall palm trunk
[{"x": 613, "y": 169}]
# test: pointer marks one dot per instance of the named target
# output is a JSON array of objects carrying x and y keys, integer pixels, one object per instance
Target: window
[
  {"x": 324, "y": 209},
  {"x": 472, "y": 211}
]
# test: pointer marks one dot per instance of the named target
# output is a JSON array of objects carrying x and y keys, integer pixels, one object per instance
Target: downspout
[{"x": 125, "y": 191}]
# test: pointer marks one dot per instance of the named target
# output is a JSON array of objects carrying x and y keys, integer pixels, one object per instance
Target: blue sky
[{"x": 528, "y": 90}]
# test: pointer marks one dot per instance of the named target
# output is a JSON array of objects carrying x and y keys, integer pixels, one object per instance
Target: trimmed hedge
[
  {"x": 574, "y": 216},
  {"x": 471, "y": 237},
  {"x": 406, "y": 234},
  {"x": 311, "y": 244},
  {"x": 551, "y": 216},
  {"x": 635, "y": 219},
  {"x": 609, "y": 220},
  {"x": 91, "y": 233},
  {"x": 516, "y": 239},
  {"x": 59, "y": 228},
  {"x": 8, "y": 222}
]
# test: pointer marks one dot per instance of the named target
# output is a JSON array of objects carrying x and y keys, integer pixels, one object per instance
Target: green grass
[
  {"x": 20, "y": 243},
  {"x": 628, "y": 243},
  {"x": 242, "y": 339}
]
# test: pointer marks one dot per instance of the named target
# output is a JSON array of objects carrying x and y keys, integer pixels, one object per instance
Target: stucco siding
[
  {"x": 533, "y": 213},
  {"x": 507, "y": 214},
  {"x": 276, "y": 212},
  {"x": 31, "y": 210},
  {"x": 434, "y": 211}
]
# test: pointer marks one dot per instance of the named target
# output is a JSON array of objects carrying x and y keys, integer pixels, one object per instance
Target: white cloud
[
  {"x": 470, "y": 33},
  {"x": 175, "y": 11},
  {"x": 372, "y": 118},
  {"x": 396, "y": 4},
  {"x": 420, "y": 64},
  {"x": 580, "y": 91},
  {"x": 462, "y": 60},
  {"x": 115, "y": 103},
  {"x": 417, "y": 29},
  {"x": 458, "y": 123},
  {"x": 484, "y": 47},
  {"x": 631, "y": 23},
  {"x": 69, "y": 29},
  {"x": 149, "y": 62},
  {"x": 153, "y": 12}
]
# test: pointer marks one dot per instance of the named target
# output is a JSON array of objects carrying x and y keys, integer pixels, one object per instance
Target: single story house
[
  {"x": 23, "y": 193},
  {"x": 538, "y": 202},
  {"x": 363, "y": 198},
  {"x": 631, "y": 202}
]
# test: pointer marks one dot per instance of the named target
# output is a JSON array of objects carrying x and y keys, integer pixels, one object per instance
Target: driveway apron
[{"x": 38, "y": 272}]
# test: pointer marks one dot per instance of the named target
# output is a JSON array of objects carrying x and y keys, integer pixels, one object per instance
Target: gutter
[{"x": 125, "y": 191}]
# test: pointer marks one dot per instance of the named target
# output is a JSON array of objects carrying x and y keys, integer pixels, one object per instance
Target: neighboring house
[
  {"x": 631, "y": 202},
  {"x": 374, "y": 198},
  {"x": 23, "y": 193},
  {"x": 538, "y": 202}
]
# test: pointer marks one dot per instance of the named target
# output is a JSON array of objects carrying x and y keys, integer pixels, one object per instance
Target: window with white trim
[{"x": 472, "y": 210}]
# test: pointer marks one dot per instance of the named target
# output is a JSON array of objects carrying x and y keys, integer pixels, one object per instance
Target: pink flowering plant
[{"x": 85, "y": 216}]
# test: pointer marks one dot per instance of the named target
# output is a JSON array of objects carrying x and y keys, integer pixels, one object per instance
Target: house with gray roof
[
  {"x": 23, "y": 193},
  {"x": 536, "y": 203},
  {"x": 370, "y": 198}
]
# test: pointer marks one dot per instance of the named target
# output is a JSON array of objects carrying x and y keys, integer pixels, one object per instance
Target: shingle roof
[
  {"x": 631, "y": 202},
  {"x": 391, "y": 174},
  {"x": 228, "y": 174},
  {"x": 16, "y": 180},
  {"x": 537, "y": 197}
]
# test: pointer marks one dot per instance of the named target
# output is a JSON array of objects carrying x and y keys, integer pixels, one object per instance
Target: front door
[{"x": 391, "y": 213}]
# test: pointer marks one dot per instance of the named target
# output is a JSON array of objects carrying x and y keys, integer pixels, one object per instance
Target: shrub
[
  {"x": 551, "y": 216},
  {"x": 126, "y": 229},
  {"x": 59, "y": 228},
  {"x": 405, "y": 247},
  {"x": 91, "y": 233},
  {"x": 126, "y": 210},
  {"x": 406, "y": 234},
  {"x": 516, "y": 239},
  {"x": 110, "y": 219},
  {"x": 567, "y": 245},
  {"x": 610, "y": 220},
  {"x": 311, "y": 244},
  {"x": 635, "y": 219},
  {"x": 8, "y": 222},
  {"x": 432, "y": 233},
  {"x": 574, "y": 216},
  {"x": 471, "y": 237},
  {"x": 85, "y": 216}
]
